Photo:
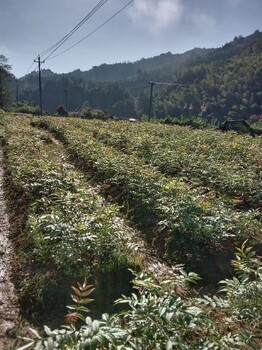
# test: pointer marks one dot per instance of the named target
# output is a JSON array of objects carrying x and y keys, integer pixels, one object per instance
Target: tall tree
[{"x": 5, "y": 78}]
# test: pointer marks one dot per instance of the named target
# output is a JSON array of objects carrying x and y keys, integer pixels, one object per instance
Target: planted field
[
  {"x": 228, "y": 163},
  {"x": 90, "y": 196},
  {"x": 187, "y": 223},
  {"x": 64, "y": 228}
]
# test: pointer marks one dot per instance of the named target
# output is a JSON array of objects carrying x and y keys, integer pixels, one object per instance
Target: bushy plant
[
  {"x": 68, "y": 228},
  {"x": 26, "y": 108},
  {"x": 163, "y": 315},
  {"x": 195, "y": 122},
  {"x": 195, "y": 156},
  {"x": 89, "y": 113},
  {"x": 183, "y": 220},
  {"x": 1, "y": 117},
  {"x": 61, "y": 111}
]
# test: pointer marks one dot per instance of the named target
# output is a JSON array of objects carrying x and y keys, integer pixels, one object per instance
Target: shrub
[
  {"x": 162, "y": 315},
  {"x": 195, "y": 122},
  {"x": 26, "y": 108},
  {"x": 89, "y": 113},
  {"x": 61, "y": 111}
]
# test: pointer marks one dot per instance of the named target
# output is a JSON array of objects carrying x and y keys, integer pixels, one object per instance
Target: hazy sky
[{"x": 146, "y": 28}]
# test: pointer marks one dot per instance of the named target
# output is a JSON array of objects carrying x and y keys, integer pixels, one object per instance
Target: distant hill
[
  {"x": 223, "y": 81},
  {"x": 126, "y": 70}
]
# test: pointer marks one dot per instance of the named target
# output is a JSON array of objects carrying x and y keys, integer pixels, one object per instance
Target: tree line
[{"x": 215, "y": 84}]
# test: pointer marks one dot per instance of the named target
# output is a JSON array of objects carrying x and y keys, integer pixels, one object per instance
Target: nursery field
[
  {"x": 90, "y": 197},
  {"x": 194, "y": 194}
]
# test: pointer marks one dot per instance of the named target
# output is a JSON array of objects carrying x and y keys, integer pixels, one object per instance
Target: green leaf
[
  {"x": 169, "y": 345},
  {"x": 83, "y": 308},
  {"x": 71, "y": 307},
  {"x": 81, "y": 317},
  {"x": 88, "y": 292},
  {"x": 27, "y": 346},
  {"x": 77, "y": 291},
  {"x": 95, "y": 325},
  {"x": 33, "y": 331},
  {"x": 85, "y": 301},
  {"x": 193, "y": 310},
  {"x": 47, "y": 330},
  {"x": 75, "y": 298}
]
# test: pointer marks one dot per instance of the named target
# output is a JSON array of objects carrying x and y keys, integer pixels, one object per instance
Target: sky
[{"x": 146, "y": 28}]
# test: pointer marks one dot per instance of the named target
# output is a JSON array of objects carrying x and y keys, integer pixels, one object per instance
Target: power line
[
  {"x": 18, "y": 84},
  {"x": 152, "y": 83},
  {"x": 56, "y": 46},
  {"x": 68, "y": 35},
  {"x": 60, "y": 43},
  {"x": 101, "y": 3},
  {"x": 95, "y": 30},
  {"x": 172, "y": 84},
  {"x": 30, "y": 67}
]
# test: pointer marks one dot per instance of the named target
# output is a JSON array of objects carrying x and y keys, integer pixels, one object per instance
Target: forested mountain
[
  {"x": 122, "y": 71},
  {"x": 219, "y": 82}
]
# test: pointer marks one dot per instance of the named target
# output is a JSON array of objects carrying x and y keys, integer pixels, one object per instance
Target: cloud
[
  {"x": 156, "y": 15},
  {"x": 203, "y": 21}
]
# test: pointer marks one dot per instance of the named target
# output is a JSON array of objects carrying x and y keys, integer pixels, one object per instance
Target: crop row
[
  {"x": 72, "y": 231},
  {"x": 183, "y": 224},
  {"x": 227, "y": 163}
]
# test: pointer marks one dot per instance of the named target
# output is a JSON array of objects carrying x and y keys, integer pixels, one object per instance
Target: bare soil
[{"x": 8, "y": 301}]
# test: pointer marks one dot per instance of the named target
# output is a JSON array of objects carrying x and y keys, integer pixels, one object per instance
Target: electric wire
[
  {"x": 67, "y": 36},
  {"x": 60, "y": 42},
  {"x": 30, "y": 67},
  {"x": 21, "y": 81},
  {"x": 172, "y": 84},
  {"x": 80, "y": 24},
  {"x": 74, "y": 29},
  {"x": 95, "y": 30}
]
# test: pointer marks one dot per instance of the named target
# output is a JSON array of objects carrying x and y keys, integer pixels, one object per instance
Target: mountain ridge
[
  {"x": 239, "y": 45},
  {"x": 223, "y": 81}
]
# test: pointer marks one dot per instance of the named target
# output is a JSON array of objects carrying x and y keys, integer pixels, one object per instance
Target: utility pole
[
  {"x": 40, "y": 83},
  {"x": 16, "y": 91},
  {"x": 151, "y": 99},
  {"x": 152, "y": 83}
]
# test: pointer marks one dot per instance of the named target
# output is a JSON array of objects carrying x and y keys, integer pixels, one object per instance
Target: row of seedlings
[
  {"x": 184, "y": 225},
  {"x": 228, "y": 163},
  {"x": 69, "y": 231}
]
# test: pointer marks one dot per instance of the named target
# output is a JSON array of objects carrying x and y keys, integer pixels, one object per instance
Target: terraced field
[{"x": 90, "y": 197}]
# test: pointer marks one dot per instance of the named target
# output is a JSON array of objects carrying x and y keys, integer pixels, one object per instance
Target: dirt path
[{"x": 8, "y": 305}]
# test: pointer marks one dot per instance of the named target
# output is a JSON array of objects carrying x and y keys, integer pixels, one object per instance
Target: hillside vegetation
[{"x": 222, "y": 82}]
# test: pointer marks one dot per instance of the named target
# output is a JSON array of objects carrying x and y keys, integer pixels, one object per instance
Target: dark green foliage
[
  {"x": 61, "y": 111},
  {"x": 5, "y": 80},
  {"x": 183, "y": 225},
  {"x": 69, "y": 229},
  {"x": 240, "y": 126},
  {"x": 25, "y": 107},
  {"x": 163, "y": 315},
  {"x": 221, "y": 82},
  {"x": 194, "y": 121},
  {"x": 89, "y": 113},
  {"x": 111, "y": 97}
]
